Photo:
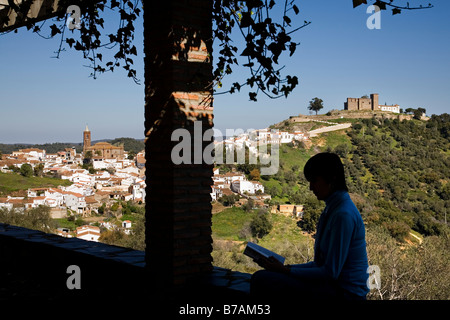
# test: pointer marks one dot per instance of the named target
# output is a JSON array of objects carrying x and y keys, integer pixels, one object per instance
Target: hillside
[
  {"x": 397, "y": 173},
  {"x": 129, "y": 144},
  {"x": 398, "y": 176},
  {"x": 13, "y": 183}
]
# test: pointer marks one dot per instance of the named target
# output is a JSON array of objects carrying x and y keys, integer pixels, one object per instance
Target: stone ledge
[{"x": 34, "y": 264}]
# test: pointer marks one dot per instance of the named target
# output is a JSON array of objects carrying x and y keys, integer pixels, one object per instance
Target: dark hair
[{"x": 328, "y": 166}]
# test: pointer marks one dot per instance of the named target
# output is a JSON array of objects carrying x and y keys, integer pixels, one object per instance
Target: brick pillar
[{"x": 178, "y": 71}]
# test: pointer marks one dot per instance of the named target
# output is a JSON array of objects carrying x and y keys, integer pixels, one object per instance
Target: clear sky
[{"x": 406, "y": 61}]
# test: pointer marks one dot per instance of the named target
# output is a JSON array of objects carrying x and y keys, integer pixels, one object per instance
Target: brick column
[{"x": 178, "y": 71}]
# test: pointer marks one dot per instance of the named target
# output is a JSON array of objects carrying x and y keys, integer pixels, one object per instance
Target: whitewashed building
[
  {"x": 89, "y": 233},
  {"x": 246, "y": 186}
]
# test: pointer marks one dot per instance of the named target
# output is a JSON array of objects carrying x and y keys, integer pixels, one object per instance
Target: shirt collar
[{"x": 334, "y": 197}]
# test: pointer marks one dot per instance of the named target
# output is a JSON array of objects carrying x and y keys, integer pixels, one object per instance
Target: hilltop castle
[
  {"x": 103, "y": 150},
  {"x": 370, "y": 104}
]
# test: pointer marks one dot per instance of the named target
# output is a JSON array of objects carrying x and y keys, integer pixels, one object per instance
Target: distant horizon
[
  {"x": 223, "y": 131},
  {"x": 69, "y": 142}
]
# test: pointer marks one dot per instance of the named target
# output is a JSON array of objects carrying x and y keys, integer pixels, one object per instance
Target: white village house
[
  {"x": 245, "y": 186},
  {"x": 88, "y": 232}
]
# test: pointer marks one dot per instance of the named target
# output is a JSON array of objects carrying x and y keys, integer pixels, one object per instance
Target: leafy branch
[
  {"x": 88, "y": 38},
  {"x": 396, "y": 8},
  {"x": 265, "y": 40}
]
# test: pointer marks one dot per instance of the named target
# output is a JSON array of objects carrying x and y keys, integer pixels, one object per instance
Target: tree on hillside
[
  {"x": 131, "y": 155},
  {"x": 39, "y": 170},
  {"x": 315, "y": 104},
  {"x": 418, "y": 113},
  {"x": 26, "y": 170},
  {"x": 260, "y": 224},
  {"x": 254, "y": 174}
]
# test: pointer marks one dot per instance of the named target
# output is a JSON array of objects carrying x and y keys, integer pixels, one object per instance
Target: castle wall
[
  {"x": 364, "y": 104},
  {"x": 351, "y": 104},
  {"x": 375, "y": 102}
]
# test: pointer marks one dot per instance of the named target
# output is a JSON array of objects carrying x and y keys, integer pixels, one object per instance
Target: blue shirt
[{"x": 340, "y": 247}]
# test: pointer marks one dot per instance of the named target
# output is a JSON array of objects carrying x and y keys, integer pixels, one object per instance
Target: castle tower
[
  {"x": 375, "y": 104},
  {"x": 86, "y": 139}
]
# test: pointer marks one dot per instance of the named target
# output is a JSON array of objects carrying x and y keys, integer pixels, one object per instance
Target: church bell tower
[{"x": 86, "y": 139}]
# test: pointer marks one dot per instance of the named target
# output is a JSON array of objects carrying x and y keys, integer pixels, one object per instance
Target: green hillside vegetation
[
  {"x": 228, "y": 224},
  {"x": 232, "y": 228},
  {"x": 129, "y": 144},
  {"x": 12, "y": 182},
  {"x": 397, "y": 174},
  {"x": 409, "y": 169}
]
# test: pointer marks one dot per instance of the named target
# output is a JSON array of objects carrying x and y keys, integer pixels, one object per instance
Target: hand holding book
[
  {"x": 272, "y": 264},
  {"x": 265, "y": 258}
]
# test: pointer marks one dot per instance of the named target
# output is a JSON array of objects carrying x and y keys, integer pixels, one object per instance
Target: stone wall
[{"x": 351, "y": 115}]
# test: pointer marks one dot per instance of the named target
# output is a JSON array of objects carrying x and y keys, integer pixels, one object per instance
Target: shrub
[{"x": 260, "y": 225}]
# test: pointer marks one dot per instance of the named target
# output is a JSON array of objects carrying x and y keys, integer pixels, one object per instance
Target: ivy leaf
[
  {"x": 292, "y": 47},
  {"x": 396, "y": 11},
  {"x": 276, "y": 49},
  {"x": 380, "y": 4},
  {"x": 70, "y": 41},
  {"x": 247, "y": 52},
  {"x": 358, "y": 2},
  {"x": 295, "y": 9},
  {"x": 132, "y": 73},
  {"x": 293, "y": 81},
  {"x": 78, "y": 46},
  {"x": 112, "y": 37},
  {"x": 114, "y": 4},
  {"x": 287, "y": 20},
  {"x": 272, "y": 80},
  {"x": 246, "y": 20},
  {"x": 54, "y": 30},
  {"x": 254, "y": 4},
  {"x": 237, "y": 86}
]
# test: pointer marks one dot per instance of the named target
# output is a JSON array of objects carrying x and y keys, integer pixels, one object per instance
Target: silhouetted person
[{"x": 339, "y": 269}]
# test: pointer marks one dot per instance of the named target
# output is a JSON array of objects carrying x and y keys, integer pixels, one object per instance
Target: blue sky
[{"x": 407, "y": 62}]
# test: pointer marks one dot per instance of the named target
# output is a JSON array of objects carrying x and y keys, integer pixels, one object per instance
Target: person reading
[{"x": 339, "y": 269}]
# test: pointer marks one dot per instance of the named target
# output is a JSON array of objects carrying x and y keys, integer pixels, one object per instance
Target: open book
[{"x": 254, "y": 251}]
